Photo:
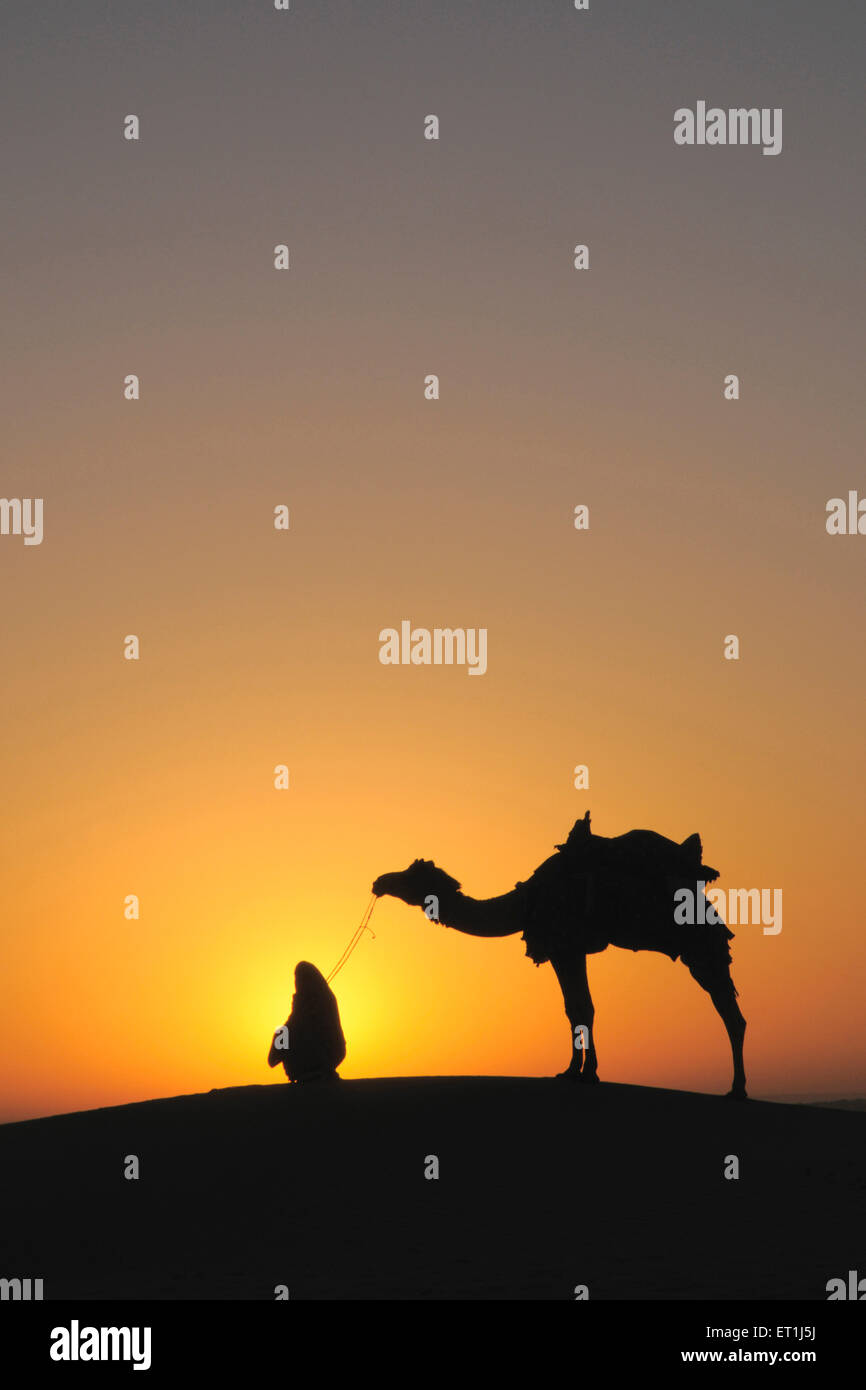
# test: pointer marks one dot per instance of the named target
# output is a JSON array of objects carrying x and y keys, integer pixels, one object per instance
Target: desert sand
[{"x": 543, "y": 1186}]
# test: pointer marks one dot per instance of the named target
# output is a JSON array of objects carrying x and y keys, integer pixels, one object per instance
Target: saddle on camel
[{"x": 605, "y": 884}]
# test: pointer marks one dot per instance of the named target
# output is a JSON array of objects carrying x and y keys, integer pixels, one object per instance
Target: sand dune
[{"x": 542, "y": 1187}]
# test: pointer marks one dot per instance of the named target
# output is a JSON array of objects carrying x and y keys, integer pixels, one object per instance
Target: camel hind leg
[
  {"x": 725, "y": 1000},
  {"x": 720, "y": 987}
]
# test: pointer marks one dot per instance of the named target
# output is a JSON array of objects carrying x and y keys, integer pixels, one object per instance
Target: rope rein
[{"x": 364, "y": 925}]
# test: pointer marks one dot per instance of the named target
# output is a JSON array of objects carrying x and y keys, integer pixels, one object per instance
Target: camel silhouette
[{"x": 593, "y": 893}]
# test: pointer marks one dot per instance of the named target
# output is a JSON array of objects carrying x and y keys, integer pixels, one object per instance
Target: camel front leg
[{"x": 571, "y": 974}]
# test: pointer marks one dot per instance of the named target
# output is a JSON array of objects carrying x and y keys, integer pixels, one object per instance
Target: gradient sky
[{"x": 604, "y": 387}]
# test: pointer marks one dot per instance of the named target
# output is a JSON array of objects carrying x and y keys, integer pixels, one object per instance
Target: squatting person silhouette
[{"x": 310, "y": 1044}]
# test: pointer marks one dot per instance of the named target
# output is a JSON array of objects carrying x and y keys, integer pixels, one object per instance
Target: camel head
[{"x": 416, "y": 884}]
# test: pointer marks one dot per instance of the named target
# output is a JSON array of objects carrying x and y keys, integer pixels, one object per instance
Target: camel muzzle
[{"x": 384, "y": 885}]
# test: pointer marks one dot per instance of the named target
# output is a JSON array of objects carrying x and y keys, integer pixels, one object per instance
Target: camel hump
[
  {"x": 648, "y": 850},
  {"x": 645, "y": 851},
  {"x": 637, "y": 852}
]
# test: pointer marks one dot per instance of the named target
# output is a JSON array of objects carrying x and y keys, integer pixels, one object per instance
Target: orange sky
[
  {"x": 259, "y": 647},
  {"x": 306, "y": 388}
]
